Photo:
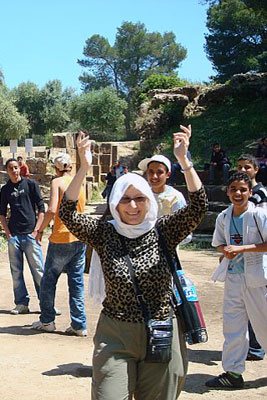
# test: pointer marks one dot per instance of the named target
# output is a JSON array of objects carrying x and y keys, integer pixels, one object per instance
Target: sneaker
[
  {"x": 253, "y": 357},
  {"x": 76, "y": 332},
  {"x": 20, "y": 309},
  {"x": 57, "y": 311},
  {"x": 226, "y": 380},
  {"x": 42, "y": 326}
]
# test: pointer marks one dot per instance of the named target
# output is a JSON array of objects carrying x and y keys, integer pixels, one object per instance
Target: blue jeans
[
  {"x": 254, "y": 346},
  {"x": 225, "y": 168},
  {"x": 69, "y": 257},
  {"x": 17, "y": 245}
]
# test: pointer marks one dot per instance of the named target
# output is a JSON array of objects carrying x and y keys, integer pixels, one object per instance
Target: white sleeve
[{"x": 218, "y": 234}]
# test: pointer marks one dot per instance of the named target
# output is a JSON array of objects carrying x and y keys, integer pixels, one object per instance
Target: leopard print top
[{"x": 150, "y": 266}]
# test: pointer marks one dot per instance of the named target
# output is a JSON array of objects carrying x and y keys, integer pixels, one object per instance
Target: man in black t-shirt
[{"x": 23, "y": 197}]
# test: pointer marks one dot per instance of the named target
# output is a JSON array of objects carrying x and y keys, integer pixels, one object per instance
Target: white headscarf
[{"x": 118, "y": 190}]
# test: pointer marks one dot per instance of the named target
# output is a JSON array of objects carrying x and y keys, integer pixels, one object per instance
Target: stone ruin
[{"x": 41, "y": 169}]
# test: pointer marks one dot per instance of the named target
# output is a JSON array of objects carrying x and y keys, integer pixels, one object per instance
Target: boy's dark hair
[
  {"x": 249, "y": 158},
  {"x": 216, "y": 144},
  {"x": 240, "y": 176},
  {"x": 9, "y": 161}
]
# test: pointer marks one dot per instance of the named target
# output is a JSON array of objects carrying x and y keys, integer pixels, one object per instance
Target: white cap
[
  {"x": 157, "y": 158},
  {"x": 62, "y": 161}
]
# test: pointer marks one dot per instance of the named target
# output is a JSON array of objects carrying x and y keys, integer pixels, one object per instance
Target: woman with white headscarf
[{"x": 119, "y": 367}]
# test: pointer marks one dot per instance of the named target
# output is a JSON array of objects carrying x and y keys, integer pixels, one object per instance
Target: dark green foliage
[
  {"x": 135, "y": 55},
  {"x": 237, "y": 42}
]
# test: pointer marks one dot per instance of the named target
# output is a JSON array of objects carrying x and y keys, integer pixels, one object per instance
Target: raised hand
[
  {"x": 84, "y": 150},
  {"x": 181, "y": 142}
]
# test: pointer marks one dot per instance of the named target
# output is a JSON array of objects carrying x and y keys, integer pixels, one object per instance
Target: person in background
[
  {"x": 24, "y": 170},
  {"x": 241, "y": 236},
  {"x": 125, "y": 169},
  {"x": 119, "y": 367},
  {"x": 23, "y": 197},
  {"x": 64, "y": 252},
  {"x": 110, "y": 180},
  {"x": 261, "y": 155},
  {"x": 219, "y": 161},
  {"x": 118, "y": 169}
]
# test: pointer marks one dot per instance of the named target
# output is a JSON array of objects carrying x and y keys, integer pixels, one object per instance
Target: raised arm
[
  {"x": 180, "y": 148},
  {"x": 84, "y": 150}
]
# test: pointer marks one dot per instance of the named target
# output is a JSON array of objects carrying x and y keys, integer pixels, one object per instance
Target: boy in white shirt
[{"x": 241, "y": 235}]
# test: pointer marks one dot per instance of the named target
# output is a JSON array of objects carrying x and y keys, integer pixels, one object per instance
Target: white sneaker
[
  {"x": 20, "y": 309},
  {"x": 76, "y": 332},
  {"x": 42, "y": 326},
  {"x": 57, "y": 311}
]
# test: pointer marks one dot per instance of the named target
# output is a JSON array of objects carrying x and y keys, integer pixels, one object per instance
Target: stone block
[
  {"x": 105, "y": 159},
  {"x": 2, "y": 164},
  {"x": 218, "y": 193},
  {"x": 59, "y": 140},
  {"x": 95, "y": 147},
  {"x": 42, "y": 154},
  {"x": 90, "y": 171},
  {"x": 208, "y": 222},
  {"x": 89, "y": 190},
  {"x": 96, "y": 170},
  {"x": 103, "y": 178},
  {"x": 42, "y": 179},
  {"x": 95, "y": 159},
  {"x": 3, "y": 177},
  {"x": 114, "y": 154},
  {"x": 105, "y": 148},
  {"x": 105, "y": 169}
]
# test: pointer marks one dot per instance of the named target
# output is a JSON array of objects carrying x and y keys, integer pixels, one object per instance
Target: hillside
[{"x": 233, "y": 113}]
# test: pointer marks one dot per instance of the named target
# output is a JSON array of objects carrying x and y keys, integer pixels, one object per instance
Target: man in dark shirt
[
  {"x": 219, "y": 161},
  {"x": 23, "y": 197}
]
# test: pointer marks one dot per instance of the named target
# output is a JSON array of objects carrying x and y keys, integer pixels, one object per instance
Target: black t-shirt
[{"x": 23, "y": 197}]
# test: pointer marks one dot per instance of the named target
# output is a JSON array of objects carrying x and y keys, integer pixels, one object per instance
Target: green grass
[{"x": 235, "y": 123}]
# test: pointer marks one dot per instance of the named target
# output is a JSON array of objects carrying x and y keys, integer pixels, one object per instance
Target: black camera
[{"x": 159, "y": 341}]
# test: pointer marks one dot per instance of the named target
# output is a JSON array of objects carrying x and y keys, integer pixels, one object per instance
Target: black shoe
[
  {"x": 253, "y": 357},
  {"x": 226, "y": 381}
]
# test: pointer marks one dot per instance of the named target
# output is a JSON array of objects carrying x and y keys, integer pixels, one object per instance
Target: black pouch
[{"x": 159, "y": 341}]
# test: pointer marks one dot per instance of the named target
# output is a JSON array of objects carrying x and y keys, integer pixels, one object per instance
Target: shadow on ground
[
  {"x": 195, "y": 383},
  {"x": 207, "y": 357},
  {"x": 77, "y": 370}
]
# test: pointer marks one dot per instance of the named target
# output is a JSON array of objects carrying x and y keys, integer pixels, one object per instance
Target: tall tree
[
  {"x": 237, "y": 42},
  {"x": 135, "y": 55}
]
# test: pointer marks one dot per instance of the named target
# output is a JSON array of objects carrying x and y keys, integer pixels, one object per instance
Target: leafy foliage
[
  {"x": 237, "y": 42},
  {"x": 135, "y": 55},
  {"x": 12, "y": 124},
  {"x": 100, "y": 111}
]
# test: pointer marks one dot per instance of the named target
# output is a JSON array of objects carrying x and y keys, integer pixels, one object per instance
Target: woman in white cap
[{"x": 120, "y": 369}]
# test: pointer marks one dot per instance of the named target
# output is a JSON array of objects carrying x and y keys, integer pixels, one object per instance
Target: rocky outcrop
[{"x": 153, "y": 119}]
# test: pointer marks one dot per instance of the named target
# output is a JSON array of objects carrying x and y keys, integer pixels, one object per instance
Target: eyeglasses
[{"x": 126, "y": 199}]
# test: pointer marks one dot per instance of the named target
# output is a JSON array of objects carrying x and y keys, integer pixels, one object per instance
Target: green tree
[
  {"x": 47, "y": 109},
  {"x": 135, "y": 55},
  {"x": 28, "y": 102},
  {"x": 237, "y": 42},
  {"x": 12, "y": 124},
  {"x": 100, "y": 111}
]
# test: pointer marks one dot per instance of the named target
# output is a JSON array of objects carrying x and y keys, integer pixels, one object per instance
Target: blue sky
[{"x": 41, "y": 40}]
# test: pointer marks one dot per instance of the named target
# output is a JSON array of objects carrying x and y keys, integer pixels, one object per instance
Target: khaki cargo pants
[{"x": 119, "y": 372}]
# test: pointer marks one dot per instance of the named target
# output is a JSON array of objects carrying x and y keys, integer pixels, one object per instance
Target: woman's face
[{"x": 133, "y": 206}]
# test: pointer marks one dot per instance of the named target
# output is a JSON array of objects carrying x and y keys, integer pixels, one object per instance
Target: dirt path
[{"x": 42, "y": 366}]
